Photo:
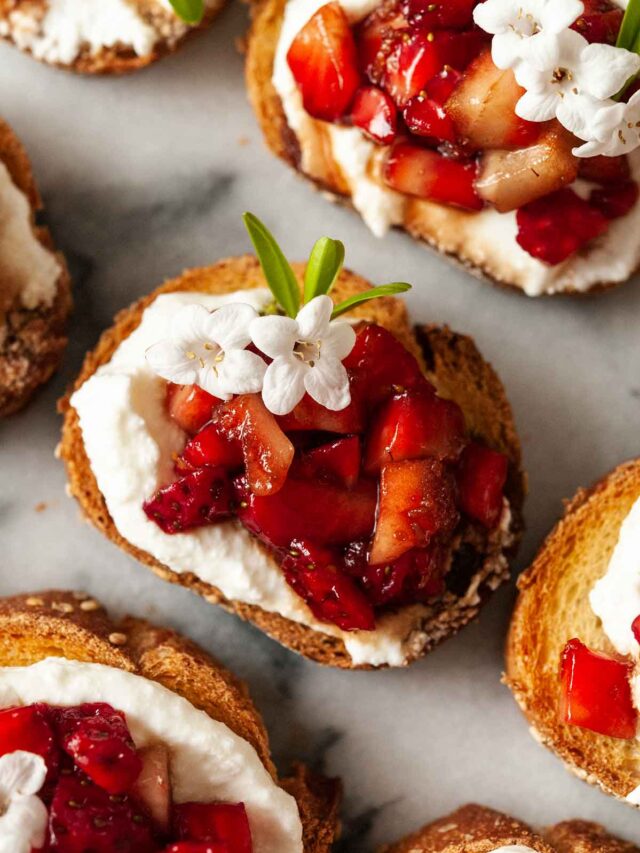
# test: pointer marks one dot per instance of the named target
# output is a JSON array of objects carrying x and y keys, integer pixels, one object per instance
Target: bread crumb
[
  {"x": 33, "y": 601},
  {"x": 117, "y": 639},
  {"x": 62, "y": 606},
  {"x": 41, "y": 506},
  {"x": 90, "y": 605}
]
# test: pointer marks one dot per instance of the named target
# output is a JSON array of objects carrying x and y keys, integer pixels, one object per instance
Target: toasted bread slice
[
  {"x": 155, "y": 31},
  {"x": 476, "y": 829},
  {"x": 75, "y": 626},
  {"x": 552, "y": 608},
  {"x": 454, "y": 365},
  {"x": 32, "y": 339}
]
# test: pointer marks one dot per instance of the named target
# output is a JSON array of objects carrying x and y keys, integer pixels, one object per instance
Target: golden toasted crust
[
  {"x": 552, "y": 608},
  {"x": 456, "y": 368},
  {"x": 31, "y": 341},
  {"x": 76, "y": 627},
  {"x": 120, "y": 58},
  {"x": 476, "y": 829}
]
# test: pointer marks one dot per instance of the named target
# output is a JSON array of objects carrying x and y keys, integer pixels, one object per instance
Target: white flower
[
  {"x": 23, "y": 815},
  {"x": 208, "y": 349},
  {"x": 566, "y": 78},
  {"x": 616, "y": 130},
  {"x": 307, "y": 356},
  {"x": 520, "y": 26}
]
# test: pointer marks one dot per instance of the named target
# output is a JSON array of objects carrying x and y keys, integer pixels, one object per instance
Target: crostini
[
  {"x": 125, "y": 736},
  {"x": 35, "y": 295},
  {"x": 482, "y": 830},
  {"x": 103, "y": 36},
  {"x": 357, "y": 498},
  {"x": 572, "y": 651},
  {"x": 411, "y": 111}
]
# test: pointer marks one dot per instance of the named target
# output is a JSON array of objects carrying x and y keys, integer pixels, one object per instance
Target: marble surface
[{"x": 147, "y": 175}]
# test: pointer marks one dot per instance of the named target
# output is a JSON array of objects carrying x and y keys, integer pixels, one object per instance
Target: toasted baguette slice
[
  {"x": 32, "y": 340},
  {"x": 158, "y": 30},
  {"x": 552, "y": 608},
  {"x": 75, "y": 626},
  {"x": 476, "y": 829},
  {"x": 451, "y": 361}
]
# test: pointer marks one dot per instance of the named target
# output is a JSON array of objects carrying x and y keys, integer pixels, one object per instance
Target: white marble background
[{"x": 147, "y": 175}]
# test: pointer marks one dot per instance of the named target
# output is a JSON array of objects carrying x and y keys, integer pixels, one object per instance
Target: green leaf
[
  {"x": 191, "y": 11},
  {"x": 374, "y": 293},
  {"x": 630, "y": 29},
  {"x": 277, "y": 270},
  {"x": 324, "y": 265}
]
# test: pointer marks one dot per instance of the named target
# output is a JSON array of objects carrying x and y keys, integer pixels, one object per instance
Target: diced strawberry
[
  {"x": 440, "y": 87},
  {"x": 198, "y": 498},
  {"x": 29, "y": 728},
  {"x": 309, "y": 415},
  {"x": 615, "y": 201},
  {"x": 376, "y": 36},
  {"x": 267, "y": 451},
  {"x": 211, "y": 446},
  {"x": 190, "y": 406},
  {"x": 555, "y": 227},
  {"x": 97, "y": 738},
  {"x": 197, "y": 847},
  {"x": 332, "y": 596},
  {"x": 481, "y": 478},
  {"x": 635, "y": 627},
  {"x": 324, "y": 62},
  {"x": 226, "y": 823},
  {"x": 152, "y": 788},
  {"x": 605, "y": 170},
  {"x": 427, "y": 174},
  {"x": 442, "y": 15},
  {"x": 318, "y": 512},
  {"x": 338, "y": 462},
  {"x": 374, "y": 112},
  {"x": 414, "y": 425},
  {"x": 596, "y": 692},
  {"x": 600, "y": 22},
  {"x": 83, "y": 817},
  {"x": 425, "y": 117},
  {"x": 417, "y": 502},
  {"x": 415, "y": 576}
]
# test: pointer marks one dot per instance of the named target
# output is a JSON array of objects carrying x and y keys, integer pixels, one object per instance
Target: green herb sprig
[
  {"x": 629, "y": 38},
  {"x": 191, "y": 11},
  {"x": 323, "y": 268}
]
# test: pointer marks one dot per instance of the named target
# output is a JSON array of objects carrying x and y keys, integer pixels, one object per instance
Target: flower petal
[
  {"x": 493, "y": 16},
  {"x": 605, "y": 69},
  {"x": 542, "y": 51},
  {"x": 578, "y": 113},
  {"x": 274, "y": 336},
  {"x": 23, "y": 826},
  {"x": 328, "y": 384},
  {"x": 589, "y": 149},
  {"x": 313, "y": 318},
  {"x": 339, "y": 340},
  {"x": 283, "y": 386},
  {"x": 229, "y": 325},
  {"x": 21, "y": 773},
  {"x": 170, "y": 362},
  {"x": 557, "y": 15},
  {"x": 210, "y": 381},
  {"x": 537, "y": 106},
  {"x": 506, "y": 50},
  {"x": 189, "y": 326},
  {"x": 241, "y": 372}
]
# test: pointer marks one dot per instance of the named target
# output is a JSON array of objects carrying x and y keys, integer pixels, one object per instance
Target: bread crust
[
  {"x": 552, "y": 608},
  {"x": 452, "y": 362},
  {"x": 439, "y": 227},
  {"x": 32, "y": 341},
  {"x": 121, "y": 59},
  {"x": 75, "y": 626},
  {"x": 477, "y": 829}
]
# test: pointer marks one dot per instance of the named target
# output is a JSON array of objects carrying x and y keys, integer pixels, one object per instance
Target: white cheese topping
[
  {"x": 131, "y": 441},
  {"x": 486, "y": 239},
  {"x": 27, "y": 269},
  {"x": 209, "y": 762}
]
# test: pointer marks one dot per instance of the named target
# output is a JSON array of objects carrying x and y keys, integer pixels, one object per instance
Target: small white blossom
[
  {"x": 23, "y": 815},
  {"x": 209, "y": 349},
  {"x": 307, "y": 356},
  {"x": 520, "y": 26},
  {"x": 615, "y": 130}
]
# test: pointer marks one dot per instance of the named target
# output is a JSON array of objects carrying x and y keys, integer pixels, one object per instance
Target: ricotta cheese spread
[
  {"x": 209, "y": 762},
  {"x": 486, "y": 239},
  {"x": 28, "y": 271}
]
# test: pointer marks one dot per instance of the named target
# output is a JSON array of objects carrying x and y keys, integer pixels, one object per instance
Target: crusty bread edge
[{"x": 75, "y": 626}]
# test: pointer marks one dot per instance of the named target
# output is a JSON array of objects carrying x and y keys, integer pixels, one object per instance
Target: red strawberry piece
[
  {"x": 152, "y": 788},
  {"x": 220, "y": 822},
  {"x": 440, "y": 87},
  {"x": 211, "y": 446},
  {"x": 97, "y": 738},
  {"x": 635, "y": 627},
  {"x": 374, "y": 112},
  {"x": 417, "y": 503},
  {"x": 338, "y": 462},
  {"x": 29, "y": 729},
  {"x": 190, "y": 406},
  {"x": 412, "y": 577},
  {"x": 600, "y": 22},
  {"x": 198, "y": 498},
  {"x": 425, "y": 117},
  {"x": 414, "y": 425},
  {"x": 324, "y": 62},
  {"x": 332, "y": 596},
  {"x": 605, "y": 170},
  {"x": 481, "y": 478},
  {"x": 84, "y": 818},
  {"x": 447, "y": 13},
  {"x": 412, "y": 62},
  {"x": 267, "y": 451},
  {"x": 556, "y": 226},
  {"x": 309, "y": 415},
  {"x": 376, "y": 37},
  {"x": 198, "y": 847},
  {"x": 596, "y": 692},
  {"x": 427, "y": 174},
  {"x": 615, "y": 200}
]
